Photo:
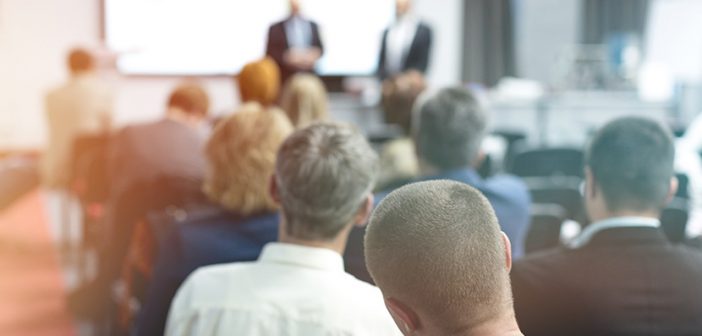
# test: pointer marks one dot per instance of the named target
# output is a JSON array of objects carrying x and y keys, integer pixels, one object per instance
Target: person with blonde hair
[
  {"x": 241, "y": 156},
  {"x": 304, "y": 100}
]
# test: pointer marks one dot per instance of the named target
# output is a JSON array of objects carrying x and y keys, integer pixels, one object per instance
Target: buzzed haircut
[
  {"x": 191, "y": 98},
  {"x": 437, "y": 247},
  {"x": 324, "y": 174},
  {"x": 80, "y": 60},
  {"x": 450, "y": 130},
  {"x": 631, "y": 160}
]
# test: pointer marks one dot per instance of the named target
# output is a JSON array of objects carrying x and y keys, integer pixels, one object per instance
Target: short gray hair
[
  {"x": 437, "y": 247},
  {"x": 324, "y": 173},
  {"x": 450, "y": 130}
]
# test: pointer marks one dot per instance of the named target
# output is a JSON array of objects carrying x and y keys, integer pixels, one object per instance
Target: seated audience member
[
  {"x": 304, "y": 100},
  {"x": 398, "y": 160},
  {"x": 448, "y": 136},
  {"x": 259, "y": 82},
  {"x": 436, "y": 252},
  {"x": 242, "y": 218},
  {"x": 82, "y": 106},
  {"x": 621, "y": 276},
  {"x": 171, "y": 146},
  {"x": 323, "y": 180}
]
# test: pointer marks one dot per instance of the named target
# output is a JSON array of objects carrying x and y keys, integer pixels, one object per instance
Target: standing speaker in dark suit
[
  {"x": 621, "y": 275},
  {"x": 294, "y": 43},
  {"x": 406, "y": 44}
]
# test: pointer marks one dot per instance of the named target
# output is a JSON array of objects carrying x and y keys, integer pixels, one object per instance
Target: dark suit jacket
[
  {"x": 277, "y": 45},
  {"x": 209, "y": 236},
  {"x": 624, "y": 282},
  {"x": 507, "y": 195},
  {"x": 418, "y": 56}
]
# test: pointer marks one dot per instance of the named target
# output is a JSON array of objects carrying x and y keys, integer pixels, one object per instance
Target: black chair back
[
  {"x": 548, "y": 162},
  {"x": 545, "y": 228}
]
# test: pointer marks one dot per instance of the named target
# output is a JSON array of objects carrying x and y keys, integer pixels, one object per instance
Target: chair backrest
[
  {"x": 563, "y": 191},
  {"x": 683, "y": 186},
  {"x": 548, "y": 162},
  {"x": 674, "y": 220},
  {"x": 88, "y": 170},
  {"x": 545, "y": 227}
]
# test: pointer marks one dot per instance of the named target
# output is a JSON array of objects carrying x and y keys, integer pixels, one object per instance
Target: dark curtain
[
  {"x": 488, "y": 41},
  {"x": 601, "y": 18}
]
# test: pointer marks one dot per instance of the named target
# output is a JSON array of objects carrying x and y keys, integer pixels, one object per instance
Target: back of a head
[
  {"x": 304, "y": 100},
  {"x": 324, "y": 174},
  {"x": 241, "y": 155},
  {"x": 450, "y": 130},
  {"x": 436, "y": 246},
  {"x": 80, "y": 61},
  {"x": 191, "y": 98},
  {"x": 259, "y": 82},
  {"x": 398, "y": 98},
  {"x": 631, "y": 160}
]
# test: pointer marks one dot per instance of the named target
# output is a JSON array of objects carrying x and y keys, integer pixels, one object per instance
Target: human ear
[
  {"x": 364, "y": 211},
  {"x": 508, "y": 251},
  {"x": 405, "y": 318},
  {"x": 673, "y": 189}
]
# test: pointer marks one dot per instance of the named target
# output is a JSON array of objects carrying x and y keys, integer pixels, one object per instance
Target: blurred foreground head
[
  {"x": 80, "y": 61},
  {"x": 304, "y": 100},
  {"x": 259, "y": 82}
]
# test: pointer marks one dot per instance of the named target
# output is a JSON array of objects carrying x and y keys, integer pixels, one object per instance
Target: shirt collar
[
  {"x": 303, "y": 256},
  {"x": 612, "y": 223}
]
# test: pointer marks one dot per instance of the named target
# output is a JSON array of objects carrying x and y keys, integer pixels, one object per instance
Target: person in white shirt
[
  {"x": 82, "y": 106},
  {"x": 323, "y": 181},
  {"x": 436, "y": 251},
  {"x": 406, "y": 44}
]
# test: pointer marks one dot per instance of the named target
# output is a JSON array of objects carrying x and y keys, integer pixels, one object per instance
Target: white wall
[
  {"x": 543, "y": 29},
  {"x": 35, "y": 35},
  {"x": 446, "y": 19}
]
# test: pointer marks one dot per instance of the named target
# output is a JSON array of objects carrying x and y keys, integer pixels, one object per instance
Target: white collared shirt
[
  {"x": 399, "y": 41},
  {"x": 612, "y": 223},
  {"x": 298, "y": 32},
  {"x": 290, "y": 290}
]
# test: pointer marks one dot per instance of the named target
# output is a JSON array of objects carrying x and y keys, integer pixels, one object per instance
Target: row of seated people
[
  {"x": 241, "y": 217},
  {"x": 436, "y": 251}
]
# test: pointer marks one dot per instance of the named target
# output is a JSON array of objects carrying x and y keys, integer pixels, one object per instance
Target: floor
[{"x": 32, "y": 281}]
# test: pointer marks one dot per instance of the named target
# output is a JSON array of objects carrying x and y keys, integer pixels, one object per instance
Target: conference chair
[
  {"x": 674, "y": 220},
  {"x": 545, "y": 227},
  {"x": 88, "y": 183},
  {"x": 561, "y": 190},
  {"x": 548, "y": 162}
]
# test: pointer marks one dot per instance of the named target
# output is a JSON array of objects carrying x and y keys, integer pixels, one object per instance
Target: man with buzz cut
[
  {"x": 620, "y": 276},
  {"x": 437, "y": 253},
  {"x": 323, "y": 181}
]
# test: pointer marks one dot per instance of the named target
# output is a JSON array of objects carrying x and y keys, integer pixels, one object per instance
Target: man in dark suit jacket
[
  {"x": 294, "y": 43},
  {"x": 406, "y": 44},
  {"x": 621, "y": 276},
  {"x": 450, "y": 129}
]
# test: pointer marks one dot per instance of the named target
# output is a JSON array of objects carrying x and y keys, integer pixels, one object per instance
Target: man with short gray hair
[
  {"x": 437, "y": 253},
  {"x": 449, "y": 131},
  {"x": 323, "y": 181}
]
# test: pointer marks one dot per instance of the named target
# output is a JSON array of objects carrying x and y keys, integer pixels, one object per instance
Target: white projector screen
[{"x": 217, "y": 37}]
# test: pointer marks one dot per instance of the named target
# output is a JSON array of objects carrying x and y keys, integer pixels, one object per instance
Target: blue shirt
[{"x": 507, "y": 194}]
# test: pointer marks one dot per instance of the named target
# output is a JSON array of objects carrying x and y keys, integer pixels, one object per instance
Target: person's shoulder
[
  {"x": 547, "y": 262},
  {"x": 219, "y": 276}
]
